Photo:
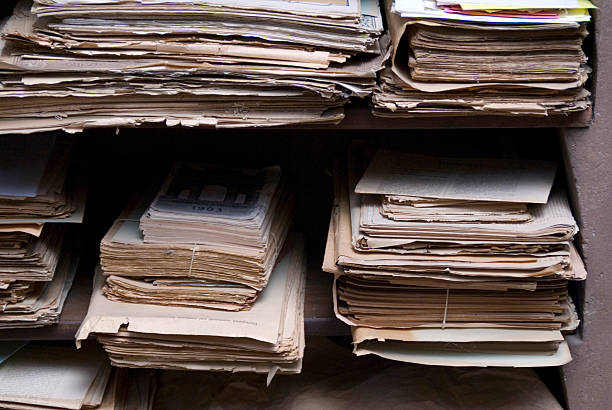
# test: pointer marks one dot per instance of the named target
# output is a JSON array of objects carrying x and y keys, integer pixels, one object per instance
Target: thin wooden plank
[
  {"x": 359, "y": 117},
  {"x": 319, "y": 314}
]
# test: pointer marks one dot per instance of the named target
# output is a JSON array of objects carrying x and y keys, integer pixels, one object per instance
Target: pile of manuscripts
[
  {"x": 453, "y": 261},
  {"x": 210, "y": 239},
  {"x": 38, "y": 258},
  {"x": 446, "y": 63},
  {"x": 42, "y": 376},
  {"x": 210, "y": 283},
  {"x": 77, "y": 64}
]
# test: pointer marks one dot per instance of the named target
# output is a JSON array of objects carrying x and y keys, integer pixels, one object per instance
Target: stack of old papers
[
  {"x": 456, "y": 59},
  {"x": 60, "y": 377},
  {"x": 469, "y": 266},
  {"x": 269, "y": 338},
  {"x": 36, "y": 269},
  {"x": 27, "y": 303},
  {"x": 34, "y": 181},
  {"x": 78, "y": 64},
  {"x": 210, "y": 239}
]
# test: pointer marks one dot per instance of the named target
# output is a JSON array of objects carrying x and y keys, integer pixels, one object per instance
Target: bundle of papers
[
  {"x": 381, "y": 302},
  {"x": 269, "y": 338},
  {"x": 59, "y": 377},
  {"x": 25, "y": 257},
  {"x": 210, "y": 239},
  {"x": 34, "y": 185},
  {"x": 187, "y": 63},
  {"x": 28, "y": 303},
  {"x": 26, "y": 263},
  {"x": 476, "y": 281},
  {"x": 216, "y": 206},
  {"x": 443, "y": 67},
  {"x": 36, "y": 196}
]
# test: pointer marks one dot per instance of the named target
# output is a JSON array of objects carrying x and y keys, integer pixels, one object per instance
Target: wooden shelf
[
  {"x": 319, "y": 317},
  {"x": 319, "y": 313},
  {"x": 359, "y": 117}
]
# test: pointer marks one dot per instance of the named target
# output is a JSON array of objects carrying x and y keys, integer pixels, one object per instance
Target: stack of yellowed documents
[
  {"x": 458, "y": 59},
  {"x": 59, "y": 377},
  {"x": 29, "y": 257},
  {"x": 74, "y": 65},
  {"x": 268, "y": 338},
  {"x": 35, "y": 303},
  {"x": 36, "y": 269},
  {"x": 27, "y": 264},
  {"x": 210, "y": 239},
  {"x": 469, "y": 267}
]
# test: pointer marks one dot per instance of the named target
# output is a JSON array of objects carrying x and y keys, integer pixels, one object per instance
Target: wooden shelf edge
[
  {"x": 319, "y": 315},
  {"x": 359, "y": 117}
]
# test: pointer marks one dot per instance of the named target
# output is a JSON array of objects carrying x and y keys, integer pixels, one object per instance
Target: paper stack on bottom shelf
[
  {"x": 458, "y": 289},
  {"x": 30, "y": 303},
  {"x": 59, "y": 377},
  {"x": 269, "y": 338}
]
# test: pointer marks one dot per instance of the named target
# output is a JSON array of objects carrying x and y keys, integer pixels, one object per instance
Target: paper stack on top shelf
[
  {"x": 210, "y": 283},
  {"x": 59, "y": 377},
  {"x": 201, "y": 63},
  {"x": 466, "y": 290},
  {"x": 210, "y": 238},
  {"x": 37, "y": 259},
  {"x": 451, "y": 58}
]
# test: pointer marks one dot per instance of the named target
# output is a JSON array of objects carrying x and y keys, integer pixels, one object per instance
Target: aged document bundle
[
  {"x": 35, "y": 186},
  {"x": 268, "y": 338},
  {"x": 448, "y": 61},
  {"x": 37, "y": 259},
  {"x": 210, "y": 239},
  {"x": 453, "y": 261},
  {"x": 61, "y": 377},
  {"x": 39, "y": 302},
  {"x": 75, "y": 65}
]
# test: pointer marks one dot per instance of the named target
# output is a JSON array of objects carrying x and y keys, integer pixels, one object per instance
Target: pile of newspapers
[
  {"x": 79, "y": 64},
  {"x": 510, "y": 57},
  {"x": 38, "y": 259},
  {"x": 44, "y": 376},
  {"x": 204, "y": 276},
  {"x": 453, "y": 261}
]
